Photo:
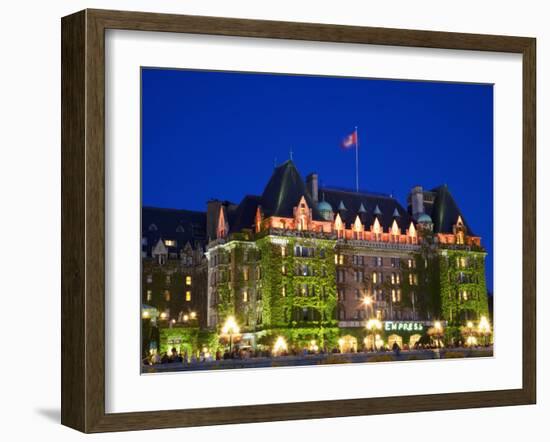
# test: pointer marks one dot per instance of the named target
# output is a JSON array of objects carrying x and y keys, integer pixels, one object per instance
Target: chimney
[
  {"x": 312, "y": 185},
  {"x": 416, "y": 198}
]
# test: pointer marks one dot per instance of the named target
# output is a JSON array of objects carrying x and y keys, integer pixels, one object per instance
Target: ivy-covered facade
[{"x": 313, "y": 264}]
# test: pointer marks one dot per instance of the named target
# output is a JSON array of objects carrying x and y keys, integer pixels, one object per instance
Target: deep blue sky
[{"x": 216, "y": 135}]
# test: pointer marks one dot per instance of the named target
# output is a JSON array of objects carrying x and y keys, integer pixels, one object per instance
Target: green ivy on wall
[
  {"x": 190, "y": 340},
  {"x": 454, "y": 307},
  {"x": 282, "y": 284},
  {"x": 438, "y": 287}
]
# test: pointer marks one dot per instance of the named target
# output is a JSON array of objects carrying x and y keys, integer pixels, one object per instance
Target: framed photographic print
[{"x": 273, "y": 220}]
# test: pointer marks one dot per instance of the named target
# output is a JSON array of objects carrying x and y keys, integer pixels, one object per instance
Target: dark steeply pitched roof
[
  {"x": 283, "y": 192},
  {"x": 445, "y": 211},
  {"x": 243, "y": 216},
  {"x": 180, "y": 225},
  {"x": 353, "y": 201}
]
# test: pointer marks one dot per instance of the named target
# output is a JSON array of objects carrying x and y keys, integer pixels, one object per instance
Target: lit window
[
  {"x": 283, "y": 270},
  {"x": 341, "y": 259},
  {"x": 168, "y": 279},
  {"x": 377, "y": 229},
  {"x": 283, "y": 291},
  {"x": 170, "y": 243},
  {"x": 393, "y": 278},
  {"x": 149, "y": 279},
  {"x": 397, "y": 279},
  {"x": 245, "y": 274},
  {"x": 167, "y": 295},
  {"x": 245, "y": 296},
  {"x": 188, "y": 280},
  {"x": 283, "y": 251},
  {"x": 149, "y": 295},
  {"x": 188, "y": 296},
  {"x": 393, "y": 295},
  {"x": 374, "y": 277}
]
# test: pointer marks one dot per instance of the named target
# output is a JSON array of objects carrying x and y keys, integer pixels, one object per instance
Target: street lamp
[
  {"x": 367, "y": 301},
  {"x": 484, "y": 328},
  {"x": 230, "y": 328},
  {"x": 373, "y": 325},
  {"x": 280, "y": 346},
  {"x": 468, "y": 332},
  {"x": 438, "y": 331}
]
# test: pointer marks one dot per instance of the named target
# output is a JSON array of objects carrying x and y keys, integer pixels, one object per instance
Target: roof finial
[{"x": 291, "y": 154}]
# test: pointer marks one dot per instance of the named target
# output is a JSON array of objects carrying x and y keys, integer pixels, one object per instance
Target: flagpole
[{"x": 356, "y": 160}]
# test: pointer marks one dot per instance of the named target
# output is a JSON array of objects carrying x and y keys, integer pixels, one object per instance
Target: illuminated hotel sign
[
  {"x": 403, "y": 326},
  {"x": 279, "y": 241}
]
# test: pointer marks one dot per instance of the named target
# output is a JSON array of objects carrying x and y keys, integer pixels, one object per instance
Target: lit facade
[{"x": 315, "y": 264}]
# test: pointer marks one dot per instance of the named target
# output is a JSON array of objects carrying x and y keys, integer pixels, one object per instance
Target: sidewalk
[{"x": 319, "y": 359}]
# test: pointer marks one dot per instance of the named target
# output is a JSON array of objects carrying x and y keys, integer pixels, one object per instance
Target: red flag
[{"x": 350, "y": 140}]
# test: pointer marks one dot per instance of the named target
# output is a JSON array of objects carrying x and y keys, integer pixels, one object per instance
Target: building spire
[{"x": 291, "y": 154}]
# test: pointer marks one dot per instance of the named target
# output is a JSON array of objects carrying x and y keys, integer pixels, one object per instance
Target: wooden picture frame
[{"x": 83, "y": 220}]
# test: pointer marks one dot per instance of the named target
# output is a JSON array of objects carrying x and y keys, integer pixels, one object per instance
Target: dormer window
[
  {"x": 339, "y": 226},
  {"x": 152, "y": 228},
  {"x": 180, "y": 229},
  {"x": 376, "y": 228},
  {"x": 394, "y": 228},
  {"x": 412, "y": 233}
]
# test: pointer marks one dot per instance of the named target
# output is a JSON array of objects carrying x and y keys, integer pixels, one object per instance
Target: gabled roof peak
[{"x": 284, "y": 191}]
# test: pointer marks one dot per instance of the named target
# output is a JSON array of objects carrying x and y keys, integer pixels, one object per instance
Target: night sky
[{"x": 217, "y": 135}]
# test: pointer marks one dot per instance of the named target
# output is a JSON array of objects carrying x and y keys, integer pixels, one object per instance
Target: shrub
[
  {"x": 382, "y": 358},
  {"x": 335, "y": 359},
  {"x": 454, "y": 354}
]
